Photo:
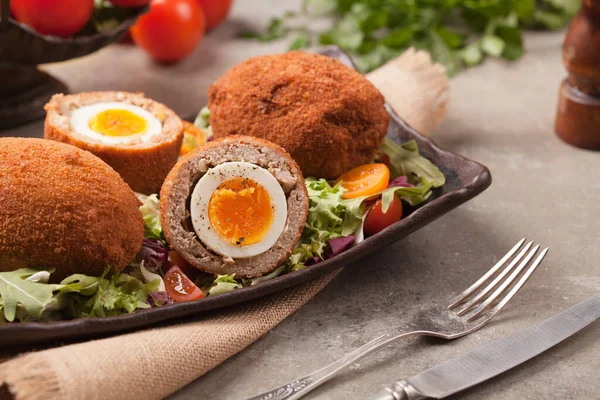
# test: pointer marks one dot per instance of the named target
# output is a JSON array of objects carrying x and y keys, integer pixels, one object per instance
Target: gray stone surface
[{"x": 501, "y": 115}]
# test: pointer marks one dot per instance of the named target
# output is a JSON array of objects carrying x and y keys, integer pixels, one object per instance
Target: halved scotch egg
[
  {"x": 236, "y": 205},
  {"x": 139, "y": 137}
]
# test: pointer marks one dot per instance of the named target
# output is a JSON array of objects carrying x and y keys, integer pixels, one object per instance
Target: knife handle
[{"x": 400, "y": 390}]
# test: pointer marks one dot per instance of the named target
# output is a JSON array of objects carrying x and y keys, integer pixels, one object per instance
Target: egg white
[
  {"x": 209, "y": 183},
  {"x": 80, "y": 122}
]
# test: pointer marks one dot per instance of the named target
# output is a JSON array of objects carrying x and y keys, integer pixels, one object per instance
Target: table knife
[{"x": 493, "y": 358}]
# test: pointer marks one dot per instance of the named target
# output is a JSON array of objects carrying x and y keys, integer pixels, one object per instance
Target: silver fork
[{"x": 466, "y": 313}]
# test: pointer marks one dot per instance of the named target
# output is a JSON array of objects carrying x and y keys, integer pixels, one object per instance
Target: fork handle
[{"x": 299, "y": 387}]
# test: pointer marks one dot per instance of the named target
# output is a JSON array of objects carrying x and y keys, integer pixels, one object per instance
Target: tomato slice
[
  {"x": 365, "y": 180},
  {"x": 377, "y": 221},
  {"x": 175, "y": 259},
  {"x": 180, "y": 287}
]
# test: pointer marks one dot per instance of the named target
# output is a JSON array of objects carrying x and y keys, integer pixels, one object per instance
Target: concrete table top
[{"x": 502, "y": 116}]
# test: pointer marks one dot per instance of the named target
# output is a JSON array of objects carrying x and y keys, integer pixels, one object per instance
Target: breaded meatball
[
  {"x": 62, "y": 207},
  {"x": 143, "y": 160},
  {"x": 176, "y": 204},
  {"x": 326, "y": 115}
]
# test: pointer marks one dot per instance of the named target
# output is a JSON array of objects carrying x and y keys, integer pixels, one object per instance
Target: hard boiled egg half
[
  {"x": 115, "y": 122},
  {"x": 238, "y": 209}
]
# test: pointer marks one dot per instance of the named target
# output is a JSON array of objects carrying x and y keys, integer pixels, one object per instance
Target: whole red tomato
[
  {"x": 53, "y": 17},
  {"x": 129, "y": 3},
  {"x": 215, "y": 11},
  {"x": 170, "y": 30}
]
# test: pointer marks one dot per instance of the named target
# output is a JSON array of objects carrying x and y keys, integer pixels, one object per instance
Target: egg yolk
[
  {"x": 118, "y": 123},
  {"x": 240, "y": 211}
]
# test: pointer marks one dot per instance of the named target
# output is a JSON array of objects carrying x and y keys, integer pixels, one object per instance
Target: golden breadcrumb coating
[
  {"x": 143, "y": 166},
  {"x": 326, "y": 115},
  {"x": 64, "y": 208},
  {"x": 175, "y": 193}
]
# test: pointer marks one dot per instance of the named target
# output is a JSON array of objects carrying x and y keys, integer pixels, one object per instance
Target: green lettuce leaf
[
  {"x": 282, "y": 269},
  {"x": 412, "y": 195},
  {"x": 150, "y": 210},
  {"x": 406, "y": 160},
  {"x": 202, "y": 121},
  {"x": 25, "y": 295},
  {"x": 101, "y": 297},
  {"x": 16, "y": 291},
  {"x": 224, "y": 284}
]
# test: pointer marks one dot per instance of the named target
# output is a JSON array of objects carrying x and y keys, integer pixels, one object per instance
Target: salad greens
[
  {"x": 150, "y": 210},
  {"x": 333, "y": 225},
  {"x": 457, "y": 33},
  {"x": 405, "y": 160},
  {"x": 26, "y": 295}
]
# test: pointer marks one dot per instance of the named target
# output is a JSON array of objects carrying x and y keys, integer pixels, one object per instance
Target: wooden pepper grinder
[{"x": 578, "y": 114}]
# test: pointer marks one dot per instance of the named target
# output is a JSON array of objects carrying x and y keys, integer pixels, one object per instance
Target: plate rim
[{"x": 38, "y": 332}]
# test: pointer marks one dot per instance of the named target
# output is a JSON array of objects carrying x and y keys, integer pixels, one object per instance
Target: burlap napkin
[{"x": 153, "y": 363}]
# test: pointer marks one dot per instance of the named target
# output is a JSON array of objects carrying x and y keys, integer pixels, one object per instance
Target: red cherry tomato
[
  {"x": 377, "y": 221},
  {"x": 129, "y": 3},
  {"x": 53, "y": 17},
  {"x": 175, "y": 259},
  {"x": 171, "y": 29},
  {"x": 180, "y": 287},
  {"x": 215, "y": 11}
]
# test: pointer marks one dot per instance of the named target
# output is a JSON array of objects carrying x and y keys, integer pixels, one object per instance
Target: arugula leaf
[
  {"x": 25, "y": 295},
  {"x": 16, "y": 291},
  {"x": 406, "y": 160},
  {"x": 412, "y": 195},
  {"x": 150, "y": 210}
]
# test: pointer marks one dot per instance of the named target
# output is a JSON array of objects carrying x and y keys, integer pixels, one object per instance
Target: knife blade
[{"x": 493, "y": 358}]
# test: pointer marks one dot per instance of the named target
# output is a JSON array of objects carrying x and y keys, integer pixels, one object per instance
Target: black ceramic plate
[{"x": 465, "y": 180}]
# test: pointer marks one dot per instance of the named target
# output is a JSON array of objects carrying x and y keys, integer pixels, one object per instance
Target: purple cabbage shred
[
  {"x": 312, "y": 261},
  {"x": 153, "y": 253},
  {"x": 337, "y": 246},
  {"x": 401, "y": 181},
  {"x": 158, "y": 299}
]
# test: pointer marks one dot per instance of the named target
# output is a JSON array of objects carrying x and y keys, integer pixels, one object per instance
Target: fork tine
[
  {"x": 484, "y": 306},
  {"x": 459, "y": 299},
  {"x": 519, "y": 285},
  {"x": 496, "y": 281}
]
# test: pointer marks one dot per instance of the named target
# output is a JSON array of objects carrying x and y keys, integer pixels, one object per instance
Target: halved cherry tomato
[
  {"x": 171, "y": 29},
  {"x": 180, "y": 287},
  {"x": 377, "y": 221},
  {"x": 365, "y": 180},
  {"x": 175, "y": 259}
]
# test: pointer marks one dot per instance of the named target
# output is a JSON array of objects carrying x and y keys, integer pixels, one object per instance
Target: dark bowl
[
  {"x": 465, "y": 179},
  {"x": 21, "y": 45}
]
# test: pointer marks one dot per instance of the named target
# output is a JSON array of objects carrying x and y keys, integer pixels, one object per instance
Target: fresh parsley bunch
[{"x": 457, "y": 33}]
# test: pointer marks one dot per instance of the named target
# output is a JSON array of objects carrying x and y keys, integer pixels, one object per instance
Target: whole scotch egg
[
  {"x": 139, "y": 137},
  {"x": 236, "y": 205}
]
